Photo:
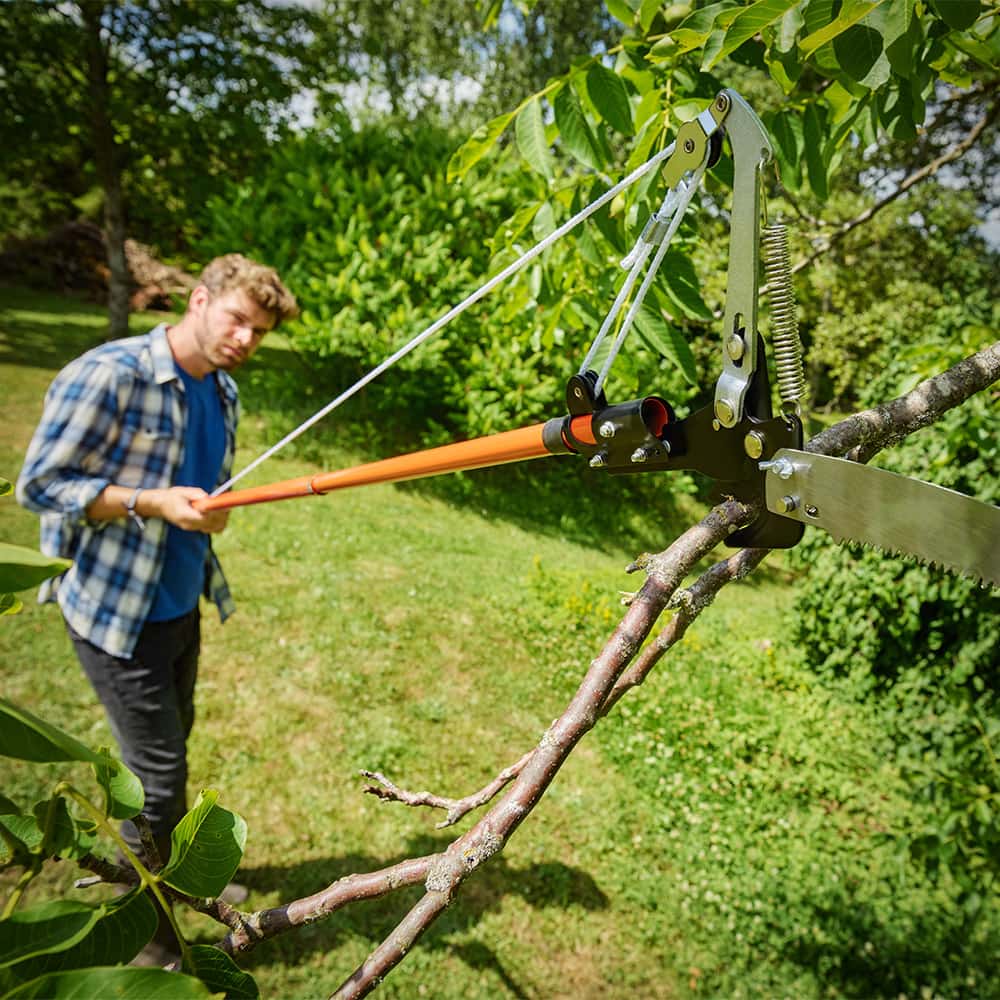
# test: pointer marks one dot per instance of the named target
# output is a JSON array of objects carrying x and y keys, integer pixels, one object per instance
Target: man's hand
[{"x": 173, "y": 504}]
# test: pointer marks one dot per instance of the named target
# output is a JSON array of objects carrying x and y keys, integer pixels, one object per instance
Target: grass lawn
[{"x": 723, "y": 834}]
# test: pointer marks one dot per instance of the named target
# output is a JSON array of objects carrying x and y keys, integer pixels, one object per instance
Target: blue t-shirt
[{"x": 183, "y": 576}]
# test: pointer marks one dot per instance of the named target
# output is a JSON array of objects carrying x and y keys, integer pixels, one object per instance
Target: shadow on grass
[
  {"x": 547, "y": 884},
  {"x": 863, "y": 953}
]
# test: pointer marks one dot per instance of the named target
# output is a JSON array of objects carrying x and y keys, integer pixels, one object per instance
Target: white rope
[
  {"x": 478, "y": 294},
  {"x": 683, "y": 200}
]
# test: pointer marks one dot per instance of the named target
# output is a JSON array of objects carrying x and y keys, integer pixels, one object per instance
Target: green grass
[{"x": 722, "y": 834}]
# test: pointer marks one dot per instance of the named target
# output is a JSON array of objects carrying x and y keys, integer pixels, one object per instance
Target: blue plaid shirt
[{"x": 116, "y": 415}]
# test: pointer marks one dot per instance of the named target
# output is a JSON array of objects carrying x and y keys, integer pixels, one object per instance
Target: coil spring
[{"x": 784, "y": 321}]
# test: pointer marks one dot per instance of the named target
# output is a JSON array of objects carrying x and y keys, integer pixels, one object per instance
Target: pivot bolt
[
  {"x": 781, "y": 467},
  {"x": 753, "y": 444},
  {"x": 599, "y": 460},
  {"x": 639, "y": 456},
  {"x": 607, "y": 429},
  {"x": 725, "y": 411},
  {"x": 736, "y": 347},
  {"x": 722, "y": 102},
  {"x": 689, "y": 145},
  {"x": 788, "y": 503}
]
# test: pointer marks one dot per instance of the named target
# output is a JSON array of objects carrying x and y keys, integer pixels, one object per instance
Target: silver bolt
[
  {"x": 781, "y": 467},
  {"x": 811, "y": 510},
  {"x": 607, "y": 429},
  {"x": 639, "y": 456},
  {"x": 578, "y": 392},
  {"x": 753, "y": 444},
  {"x": 689, "y": 145},
  {"x": 725, "y": 411},
  {"x": 599, "y": 460},
  {"x": 722, "y": 102},
  {"x": 735, "y": 347},
  {"x": 788, "y": 503}
]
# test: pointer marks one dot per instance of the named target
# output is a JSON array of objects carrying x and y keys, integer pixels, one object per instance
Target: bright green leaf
[
  {"x": 693, "y": 31},
  {"x": 575, "y": 131},
  {"x": 751, "y": 21},
  {"x": 850, "y": 14},
  {"x": 206, "y": 848},
  {"x": 123, "y": 794},
  {"x": 621, "y": 10},
  {"x": 22, "y": 568},
  {"x": 26, "y": 737},
  {"x": 529, "y": 130},
  {"x": 544, "y": 221},
  {"x": 477, "y": 146},
  {"x": 10, "y": 605},
  {"x": 648, "y": 10},
  {"x": 120, "y": 983},
  {"x": 220, "y": 973},
  {"x": 610, "y": 96},
  {"x": 861, "y": 55}
]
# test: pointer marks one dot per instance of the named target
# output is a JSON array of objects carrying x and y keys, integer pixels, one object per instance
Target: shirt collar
[{"x": 161, "y": 355}]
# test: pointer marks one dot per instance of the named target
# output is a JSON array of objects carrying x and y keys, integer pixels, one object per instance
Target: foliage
[
  {"x": 69, "y": 948},
  {"x": 398, "y": 246},
  {"x": 206, "y": 80},
  {"x": 922, "y": 644},
  {"x": 22, "y": 568}
]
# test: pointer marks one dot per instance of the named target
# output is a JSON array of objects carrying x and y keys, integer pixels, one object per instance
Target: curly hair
[{"x": 260, "y": 282}]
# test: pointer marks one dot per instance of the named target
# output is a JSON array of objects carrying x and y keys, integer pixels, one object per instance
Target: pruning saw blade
[{"x": 901, "y": 515}]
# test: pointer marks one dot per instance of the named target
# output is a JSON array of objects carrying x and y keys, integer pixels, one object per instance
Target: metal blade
[{"x": 893, "y": 512}]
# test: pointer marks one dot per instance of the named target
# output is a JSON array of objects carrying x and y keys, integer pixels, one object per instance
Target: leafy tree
[{"x": 150, "y": 103}]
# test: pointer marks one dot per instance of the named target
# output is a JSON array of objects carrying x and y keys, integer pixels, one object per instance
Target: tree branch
[{"x": 908, "y": 182}]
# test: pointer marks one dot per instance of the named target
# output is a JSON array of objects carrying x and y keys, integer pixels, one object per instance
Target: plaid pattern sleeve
[{"x": 115, "y": 415}]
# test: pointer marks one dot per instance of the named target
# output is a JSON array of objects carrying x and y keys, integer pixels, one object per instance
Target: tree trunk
[{"x": 108, "y": 168}]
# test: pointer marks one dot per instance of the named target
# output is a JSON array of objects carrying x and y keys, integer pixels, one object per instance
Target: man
[{"x": 133, "y": 432}]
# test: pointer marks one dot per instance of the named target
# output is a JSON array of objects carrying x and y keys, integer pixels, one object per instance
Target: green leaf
[
  {"x": 22, "y": 568},
  {"x": 10, "y": 605},
  {"x": 860, "y": 52},
  {"x": 850, "y": 13},
  {"x": 813, "y": 138},
  {"x": 648, "y": 10},
  {"x": 26, "y": 737},
  {"x": 529, "y": 130},
  {"x": 477, "y": 146},
  {"x": 682, "y": 286},
  {"x": 220, "y": 973},
  {"x": 67, "y": 836},
  {"x": 120, "y": 983},
  {"x": 957, "y": 14},
  {"x": 664, "y": 339},
  {"x": 785, "y": 127},
  {"x": 620, "y": 10},
  {"x": 206, "y": 848},
  {"x": 5, "y": 488},
  {"x": 693, "y": 31},
  {"x": 47, "y": 927},
  {"x": 575, "y": 131},
  {"x": 544, "y": 222},
  {"x": 124, "y": 925},
  {"x": 123, "y": 794},
  {"x": 751, "y": 21},
  {"x": 610, "y": 97},
  {"x": 23, "y": 829}
]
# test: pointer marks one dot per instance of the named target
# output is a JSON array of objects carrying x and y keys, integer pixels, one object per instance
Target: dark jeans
[{"x": 150, "y": 704}]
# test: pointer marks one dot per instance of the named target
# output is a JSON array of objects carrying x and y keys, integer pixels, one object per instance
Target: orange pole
[{"x": 497, "y": 449}]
